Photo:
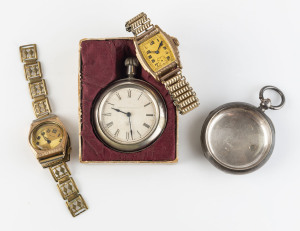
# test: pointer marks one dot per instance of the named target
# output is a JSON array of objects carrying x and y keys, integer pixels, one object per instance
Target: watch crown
[
  {"x": 131, "y": 63},
  {"x": 175, "y": 40}
]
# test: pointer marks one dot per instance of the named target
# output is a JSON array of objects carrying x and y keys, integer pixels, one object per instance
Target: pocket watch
[
  {"x": 130, "y": 114},
  {"x": 158, "y": 54},
  {"x": 239, "y": 137},
  {"x": 48, "y": 136}
]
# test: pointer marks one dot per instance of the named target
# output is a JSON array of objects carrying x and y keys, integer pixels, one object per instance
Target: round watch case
[
  {"x": 239, "y": 137},
  {"x": 160, "y": 108},
  {"x": 38, "y": 135},
  {"x": 62, "y": 149}
]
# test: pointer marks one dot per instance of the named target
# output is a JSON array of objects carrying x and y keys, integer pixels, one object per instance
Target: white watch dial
[{"x": 129, "y": 114}]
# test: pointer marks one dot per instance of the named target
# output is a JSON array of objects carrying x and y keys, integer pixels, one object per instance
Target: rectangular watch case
[{"x": 172, "y": 42}]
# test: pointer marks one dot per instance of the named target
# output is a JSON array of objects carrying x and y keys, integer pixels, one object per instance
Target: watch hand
[
  {"x": 161, "y": 43},
  {"x": 129, "y": 114},
  {"x": 46, "y": 139},
  {"x": 118, "y": 110}
]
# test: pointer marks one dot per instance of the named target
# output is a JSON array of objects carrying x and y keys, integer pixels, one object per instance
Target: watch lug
[
  {"x": 50, "y": 116},
  {"x": 52, "y": 160},
  {"x": 68, "y": 150}
]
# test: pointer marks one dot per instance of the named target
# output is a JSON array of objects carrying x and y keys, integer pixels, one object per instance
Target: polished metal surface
[{"x": 238, "y": 137}]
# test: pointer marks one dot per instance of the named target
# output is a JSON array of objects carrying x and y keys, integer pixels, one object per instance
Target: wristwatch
[
  {"x": 48, "y": 136},
  {"x": 158, "y": 54}
]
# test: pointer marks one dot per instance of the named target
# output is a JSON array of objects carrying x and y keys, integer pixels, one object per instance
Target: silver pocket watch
[
  {"x": 130, "y": 114},
  {"x": 239, "y": 137}
]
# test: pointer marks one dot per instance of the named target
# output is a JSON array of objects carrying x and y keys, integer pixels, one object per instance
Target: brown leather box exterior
[{"x": 102, "y": 62}]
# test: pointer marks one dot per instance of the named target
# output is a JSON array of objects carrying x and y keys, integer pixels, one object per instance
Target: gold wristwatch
[
  {"x": 48, "y": 136},
  {"x": 158, "y": 54}
]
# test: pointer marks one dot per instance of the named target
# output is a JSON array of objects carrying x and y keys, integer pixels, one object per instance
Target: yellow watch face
[
  {"x": 46, "y": 136},
  {"x": 157, "y": 52}
]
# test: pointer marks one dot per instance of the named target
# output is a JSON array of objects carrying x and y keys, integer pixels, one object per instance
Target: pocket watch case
[
  {"x": 239, "y": 137},
  {"x": 101, "y": 64}
]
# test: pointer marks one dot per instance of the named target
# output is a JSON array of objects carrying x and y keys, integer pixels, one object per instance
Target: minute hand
[
  {"x": 130, "y": 126},
  {"x": 161, "y": 43}
]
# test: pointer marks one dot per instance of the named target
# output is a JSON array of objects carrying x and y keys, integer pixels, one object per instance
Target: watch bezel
[
  {"x": 149, "y": 140},
  {"x": 34, "y": 134},
  {"x": 172, "y": 45}
]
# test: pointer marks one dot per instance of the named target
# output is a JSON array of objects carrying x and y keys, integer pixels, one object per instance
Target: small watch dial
[
  {"x": 46, "y": 136},
  {"x": 157, "y": 52},
  {"x": 129, "y": 114}
]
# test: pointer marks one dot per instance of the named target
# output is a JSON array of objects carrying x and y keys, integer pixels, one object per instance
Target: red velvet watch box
[{"x": 102, "y": 62}]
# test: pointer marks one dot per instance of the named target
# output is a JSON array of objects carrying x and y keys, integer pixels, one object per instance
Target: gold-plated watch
[
  {"x": 158, "y": 54},
  {"x": 48, "y": 136}
]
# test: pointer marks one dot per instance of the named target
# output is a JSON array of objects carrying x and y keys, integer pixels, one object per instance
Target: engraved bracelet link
[
  {"x": 37, "y": 86},
  {"x": 68, "y": 188},
  {"x": 138, "y": 24},
  {"x": 182, "y": 94}
]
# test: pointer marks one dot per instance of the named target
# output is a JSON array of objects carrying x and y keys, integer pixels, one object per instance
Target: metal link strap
[
  {"x": 68, "y": 188},
  {"x": 38, "y": 89},
  {"x": 33, "y": 70},
  {"x": 28, "y": 53},
  {"x": 37, "y": 86},
  {"x": 138, "y": 24},
  {"x": 41, "y": 107},
  {"x": 183, "y": 95}
]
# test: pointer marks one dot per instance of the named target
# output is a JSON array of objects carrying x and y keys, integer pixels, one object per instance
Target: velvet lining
[{"x": 102, "y": 62}]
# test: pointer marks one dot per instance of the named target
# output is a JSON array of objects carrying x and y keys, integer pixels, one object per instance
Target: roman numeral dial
[{"x": 128, "y": 115}]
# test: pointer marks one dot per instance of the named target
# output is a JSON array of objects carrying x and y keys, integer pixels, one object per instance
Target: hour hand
[
  {"x": 118, "y": 110},
  {"x": 46, "y": 139}
]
